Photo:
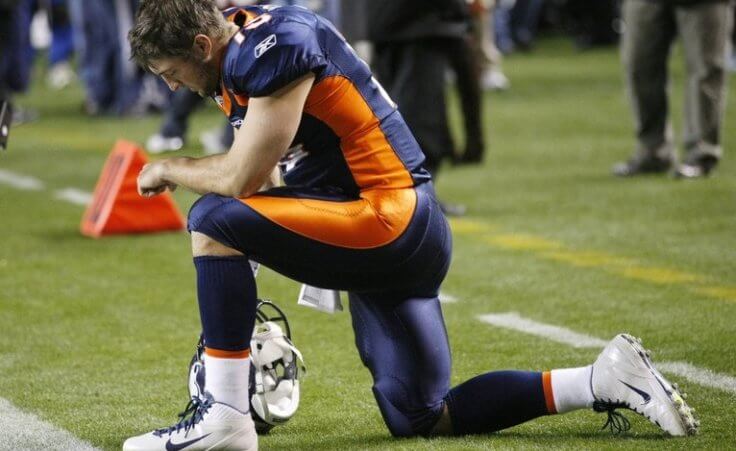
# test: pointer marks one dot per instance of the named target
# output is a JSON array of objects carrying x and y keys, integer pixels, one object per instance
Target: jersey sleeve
[{"x": 273, "y": 56}]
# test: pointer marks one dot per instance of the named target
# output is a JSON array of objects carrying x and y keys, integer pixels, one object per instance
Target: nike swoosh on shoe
[
  {"x": 647, "y": 397},
  {"x": 179, "y": 446}
]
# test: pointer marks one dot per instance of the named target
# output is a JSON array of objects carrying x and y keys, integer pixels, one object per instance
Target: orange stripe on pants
[{"x": 376, "y": 219}]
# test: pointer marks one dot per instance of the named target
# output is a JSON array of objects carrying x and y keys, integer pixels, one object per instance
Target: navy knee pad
[
  {"x": 201, "y": 210},
  {"x": 213, "y": 215}
]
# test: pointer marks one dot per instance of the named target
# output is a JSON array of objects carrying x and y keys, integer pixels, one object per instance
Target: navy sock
[
  {"x": 495, "y": 401},
  {"x": 226, "y": 291}
]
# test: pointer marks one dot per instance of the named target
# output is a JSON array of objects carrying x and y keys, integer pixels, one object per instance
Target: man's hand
[{"x": 151, "y": 181}]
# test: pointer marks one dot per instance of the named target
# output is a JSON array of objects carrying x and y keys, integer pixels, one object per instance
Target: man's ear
[{"x": 203, "y": 48}]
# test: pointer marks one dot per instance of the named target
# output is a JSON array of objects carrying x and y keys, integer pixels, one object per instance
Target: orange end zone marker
[{"x": 117, "y": 208}]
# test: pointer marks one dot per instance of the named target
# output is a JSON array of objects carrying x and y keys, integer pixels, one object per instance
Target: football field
[{"x": 554, "y": 258}]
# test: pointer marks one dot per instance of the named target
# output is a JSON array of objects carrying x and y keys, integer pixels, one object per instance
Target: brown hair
[{"x": 166, "y": 28}]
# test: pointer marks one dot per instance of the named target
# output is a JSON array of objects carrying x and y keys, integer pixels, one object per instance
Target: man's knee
[
  {"x": 205, "y": 223},
  {"x": 405, "y": 415}
]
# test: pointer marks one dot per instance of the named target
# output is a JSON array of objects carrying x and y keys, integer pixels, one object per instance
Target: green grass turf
[{"x": 96, "y": 335}]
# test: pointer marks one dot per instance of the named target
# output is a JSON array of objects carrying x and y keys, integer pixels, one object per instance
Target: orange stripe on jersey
[
  {"x": 242, "y": 100},
  {"x": 549, "y": 398},
  {"x": 377, "y": 219},
  {"x": 227, "y": 105},
  {"x": 219, "y": 353},
  {"x": 371, "y": 158}
]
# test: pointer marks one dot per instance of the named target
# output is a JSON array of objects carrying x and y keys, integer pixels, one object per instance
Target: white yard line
[
  {"x": 446, "y": 298},
  {"x": 702, "y": 376},
  {"x": 513, "y": 321},
  {"x": 74, "y": 196},
  {"x": 18, "y": 181},
  {"x": 25, "y": 431}
]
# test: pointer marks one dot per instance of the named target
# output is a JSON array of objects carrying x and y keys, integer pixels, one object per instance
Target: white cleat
[
  {"x": 210, "y": 426},
  {"x": 624, "y": 377}
]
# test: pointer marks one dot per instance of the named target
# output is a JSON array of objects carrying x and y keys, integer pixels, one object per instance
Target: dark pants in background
[{"x": 413, "y": 73}]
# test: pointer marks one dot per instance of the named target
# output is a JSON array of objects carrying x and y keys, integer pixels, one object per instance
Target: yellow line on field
[
  {"x": 587, "y": 258},
  {"x": 662, "y": 276},
  {"x": 465, "y": 226},
  {"x": 521, "y": 242},
  {"x": 725, "y": 293},
  {"x": 621, "y": 266}
]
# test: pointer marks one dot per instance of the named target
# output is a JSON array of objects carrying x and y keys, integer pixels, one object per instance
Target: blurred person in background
[
  {"x": 16, "y": 55},
  {"x": 7, "y": 9},
  {"x": 732, "y": 61},
  {"x": 704, "y": 27},
  {"x": 113, "y": 83},
  {"x": 593, "y": 23},
  {"x": 413, "y": 42}
]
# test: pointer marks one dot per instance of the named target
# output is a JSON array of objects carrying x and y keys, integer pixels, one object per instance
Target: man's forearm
[{"x": 201, "y": 175}]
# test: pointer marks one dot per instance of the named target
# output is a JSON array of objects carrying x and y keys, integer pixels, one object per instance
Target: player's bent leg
[
  {"x": 404, "y": 345},
  {"x": 227, "y": 303}
]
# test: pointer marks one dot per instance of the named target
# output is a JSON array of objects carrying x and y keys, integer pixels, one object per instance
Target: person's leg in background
[
  {"x": 649, "y": 31},
  {"x": 95, "y": 42},
  {"x": 172, "y": 135},
  {"x": 60, "y": 73},
  {"x": 524, "y": 22},
  {"x": 488, "y": 56},
  {"x": 705, "y": 30},
  {"x": 467, "y": 75},
  {"x": 413, "y": 73}
]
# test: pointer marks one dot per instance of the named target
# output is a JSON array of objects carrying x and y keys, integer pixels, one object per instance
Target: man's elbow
[{"x": 240, "y": 189}]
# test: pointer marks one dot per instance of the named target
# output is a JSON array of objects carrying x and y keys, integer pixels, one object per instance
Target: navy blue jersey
[{"x": 351, "y": 137}]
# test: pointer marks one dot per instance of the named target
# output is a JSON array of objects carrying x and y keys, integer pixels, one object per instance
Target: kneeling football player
[{"x": 357, "y": 213}]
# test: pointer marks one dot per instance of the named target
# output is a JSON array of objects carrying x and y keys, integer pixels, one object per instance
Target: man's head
[{"x": 180, "y": 40}]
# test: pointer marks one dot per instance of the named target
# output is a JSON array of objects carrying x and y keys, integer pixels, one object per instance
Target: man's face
[{"x": 199, "y": 76}]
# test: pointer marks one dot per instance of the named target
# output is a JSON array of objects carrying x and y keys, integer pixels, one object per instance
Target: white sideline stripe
[
  {"x": 447, "y": 298},
  {"x": 74, "y": 196},
  {"x": 25, "y": 431},
  {"x": 702, "y": 376},
  {"x": 19, "y": 181},
  {"x": 514, "y": 321}
]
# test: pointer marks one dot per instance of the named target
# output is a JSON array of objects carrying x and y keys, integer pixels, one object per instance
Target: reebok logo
[
  {"x": 265, "y": 45},
  {"x": 179, "y": 446},
  {"x": 642, "y": 393}
]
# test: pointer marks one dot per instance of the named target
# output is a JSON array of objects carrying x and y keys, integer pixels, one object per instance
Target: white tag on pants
[{"x": 327, "y": 301}]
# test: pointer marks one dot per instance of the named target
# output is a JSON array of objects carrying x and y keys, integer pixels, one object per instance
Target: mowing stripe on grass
[
  {"x": 513, "y": 321},
  {"x": 18, "y": 181},
  {"x": 74, "y": 196},
  {"x": 25, "y": 431}
]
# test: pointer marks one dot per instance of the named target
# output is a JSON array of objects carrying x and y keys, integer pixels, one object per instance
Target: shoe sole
[{"x": 669, "y": 391}]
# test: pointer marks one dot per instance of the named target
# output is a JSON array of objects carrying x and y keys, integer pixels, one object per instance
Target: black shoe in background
[
  {"x": 640, "y": 164},
  {"x": 696, "y": 166}
]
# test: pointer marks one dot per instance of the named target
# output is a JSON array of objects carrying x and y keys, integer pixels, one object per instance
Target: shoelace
[
  {"x": 195, "y": 410},
  {"x": 616, "y": 422}
]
